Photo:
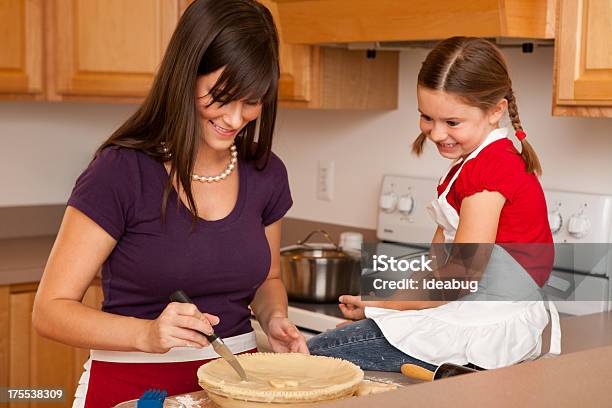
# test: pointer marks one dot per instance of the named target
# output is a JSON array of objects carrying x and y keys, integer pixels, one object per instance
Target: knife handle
[
  {"x": 181, "y": 297},
  {"x": 417, "y": 372}
]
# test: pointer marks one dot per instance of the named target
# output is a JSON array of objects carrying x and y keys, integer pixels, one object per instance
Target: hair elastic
[{"x": 520, "y": 135}]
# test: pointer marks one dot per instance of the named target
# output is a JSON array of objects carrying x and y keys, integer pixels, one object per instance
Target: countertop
[
  {"x": 23, "y": 260},
  {"x": 575, "y": 379},
  {"x": 581, "y": 376}
]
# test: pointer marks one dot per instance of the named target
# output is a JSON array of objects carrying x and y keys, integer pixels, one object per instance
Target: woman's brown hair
[
  {"x": 237, "y": 35},
  {"x": 475, "y": 70}
]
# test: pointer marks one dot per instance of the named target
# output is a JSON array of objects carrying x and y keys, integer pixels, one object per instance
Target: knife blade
[{"x": 215, "y": 341}]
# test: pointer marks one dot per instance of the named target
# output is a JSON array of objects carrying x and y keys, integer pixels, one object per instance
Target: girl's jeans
[{"x": 362, "y": 343}]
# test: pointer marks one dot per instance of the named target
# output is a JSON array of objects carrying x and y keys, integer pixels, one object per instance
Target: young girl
[
  {"x": 490, "y": 195},
  {"x": 179, "y": 197}
]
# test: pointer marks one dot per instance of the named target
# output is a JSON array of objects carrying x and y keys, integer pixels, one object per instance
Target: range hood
[{"x": 363, "y": 21}]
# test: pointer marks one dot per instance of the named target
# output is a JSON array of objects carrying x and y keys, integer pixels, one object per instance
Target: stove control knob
[
  {"x": 555, "y": 221},
  {"x": 388, "y": 202},
  {"x": 579, "y": 226},
  {"x": 406, "y": 204}
]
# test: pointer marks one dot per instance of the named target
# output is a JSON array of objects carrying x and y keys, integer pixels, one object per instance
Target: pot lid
[
  {"x": 303, "y": 249},
  {"x": 312, "y": 251}
]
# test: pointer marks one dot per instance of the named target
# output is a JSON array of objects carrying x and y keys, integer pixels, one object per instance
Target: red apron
[
  {"x": 112, "y": 383},
  {"x": 112, "y": 377}
]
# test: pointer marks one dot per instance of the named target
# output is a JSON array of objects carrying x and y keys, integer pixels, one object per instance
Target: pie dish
[{"x": 285, "y": 378}]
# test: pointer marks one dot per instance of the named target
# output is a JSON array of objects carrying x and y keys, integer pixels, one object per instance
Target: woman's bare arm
[
  {"x": 78, "y": 253},
  {"x": 270, "y": 302},
  {"x": 80, "y": 249},
  {"x": 271, "y": 297}
]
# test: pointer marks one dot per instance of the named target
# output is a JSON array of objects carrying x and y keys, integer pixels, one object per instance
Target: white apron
[{"x": 489, "y": 334}]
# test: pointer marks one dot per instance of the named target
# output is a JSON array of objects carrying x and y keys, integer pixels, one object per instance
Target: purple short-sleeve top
[{"x": 219, "y": 264}]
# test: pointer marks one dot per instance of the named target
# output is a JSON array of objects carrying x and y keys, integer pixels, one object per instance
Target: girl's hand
[
  {"x": 177, "y": 326},
  {"x": 352, "y": 307},
  {"x": 284, "y": 337}
]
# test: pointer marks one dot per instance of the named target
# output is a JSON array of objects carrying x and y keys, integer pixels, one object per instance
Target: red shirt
[{"x": 524, "y": 216}]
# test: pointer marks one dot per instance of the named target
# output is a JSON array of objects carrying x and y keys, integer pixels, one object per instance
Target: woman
[{"x": 179, "y": 197}]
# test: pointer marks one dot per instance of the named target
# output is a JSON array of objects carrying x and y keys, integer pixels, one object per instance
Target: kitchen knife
[{"x": 215, "y": 341}]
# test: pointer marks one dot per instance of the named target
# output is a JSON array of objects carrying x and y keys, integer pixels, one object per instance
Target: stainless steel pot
[{"x": 319, "y": 272}]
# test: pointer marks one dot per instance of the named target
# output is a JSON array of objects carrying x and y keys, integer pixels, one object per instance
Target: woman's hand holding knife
[{"x": 179, "y": 325}]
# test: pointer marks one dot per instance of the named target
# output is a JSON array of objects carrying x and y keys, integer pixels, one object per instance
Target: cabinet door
[
  {"x": 296, "y": 65},
  {"x": 21, "y": 62},
  {"x": 36, "y": 362},
  {"x": 107, "y": 48},
  {"x": 5, "y": 321},
  {"x": 583, "y": 58}
]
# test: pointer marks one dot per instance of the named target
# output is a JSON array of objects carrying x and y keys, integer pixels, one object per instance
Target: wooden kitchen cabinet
[
  {"x": 109, "y": 51},
  {"x": 21, "y": 53},
  {"x": 106, "y": 48},
  {"x": 29, "y": 360},
  {"x": 583, "y": 59},
  {"x": 355, "y": 21},
  {"x": 102, "y": 50},
  {"x": 339, "y": 78},
  {"x": 314, "y": 77}
]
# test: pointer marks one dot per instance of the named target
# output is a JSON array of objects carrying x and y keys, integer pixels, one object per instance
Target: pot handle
[{"x": 322, "y": 232}]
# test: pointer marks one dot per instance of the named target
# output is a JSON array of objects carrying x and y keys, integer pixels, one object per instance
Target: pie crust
[{"x": 281, "y": 378}]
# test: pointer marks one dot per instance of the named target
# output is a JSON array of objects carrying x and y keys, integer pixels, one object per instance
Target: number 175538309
[{"x": 8, "y": 394}]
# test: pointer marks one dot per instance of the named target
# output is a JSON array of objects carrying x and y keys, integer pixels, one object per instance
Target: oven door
[
  {"x": 576, "y": 293},
  {"x": 580, "y": 281}
]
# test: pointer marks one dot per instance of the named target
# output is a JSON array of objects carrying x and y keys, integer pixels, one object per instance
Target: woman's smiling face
[
  {"x": 455, "y": 127},
  {"x": 221, "y": 123}
]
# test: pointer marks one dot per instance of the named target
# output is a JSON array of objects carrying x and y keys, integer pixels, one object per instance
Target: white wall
[{"x": 45, "y": 146}]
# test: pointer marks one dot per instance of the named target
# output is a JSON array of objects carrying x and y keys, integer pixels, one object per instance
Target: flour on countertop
[
  {"x": 189, "y": 402},
  {"x": 381, "y": 380}
]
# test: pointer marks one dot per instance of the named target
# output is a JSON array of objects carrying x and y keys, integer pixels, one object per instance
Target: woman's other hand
[
  {"x": 284, "y": 337},
  {"x": 352, "y": 307},
  {"x": 179, "y": 325}
]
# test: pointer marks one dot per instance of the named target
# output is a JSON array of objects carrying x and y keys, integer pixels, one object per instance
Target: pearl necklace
[{"x": 228, "y": 170}]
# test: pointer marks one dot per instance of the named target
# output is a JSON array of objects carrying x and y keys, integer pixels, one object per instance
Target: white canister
[{"x": 350, "y": 240}]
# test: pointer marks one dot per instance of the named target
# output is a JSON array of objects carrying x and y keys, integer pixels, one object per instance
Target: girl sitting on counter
[
  {"x": 490, "y": 195},
  {"x": 179, "y": 197}
]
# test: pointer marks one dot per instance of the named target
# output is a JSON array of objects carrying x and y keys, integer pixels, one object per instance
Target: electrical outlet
[{"x": 325, "y": 180}]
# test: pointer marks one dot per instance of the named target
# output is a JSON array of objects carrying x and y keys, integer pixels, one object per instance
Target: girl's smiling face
[{"x": 455, "y": 127}]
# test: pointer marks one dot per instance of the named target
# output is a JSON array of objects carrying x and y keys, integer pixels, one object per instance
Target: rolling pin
[{"x": 443, "y": 371}]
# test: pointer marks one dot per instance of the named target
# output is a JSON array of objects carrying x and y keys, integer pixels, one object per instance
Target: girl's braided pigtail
[{"x": 532, "y": 163}]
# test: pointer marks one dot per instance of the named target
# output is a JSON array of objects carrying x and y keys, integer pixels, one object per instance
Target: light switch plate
[{"x": 325, "y": 180}]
